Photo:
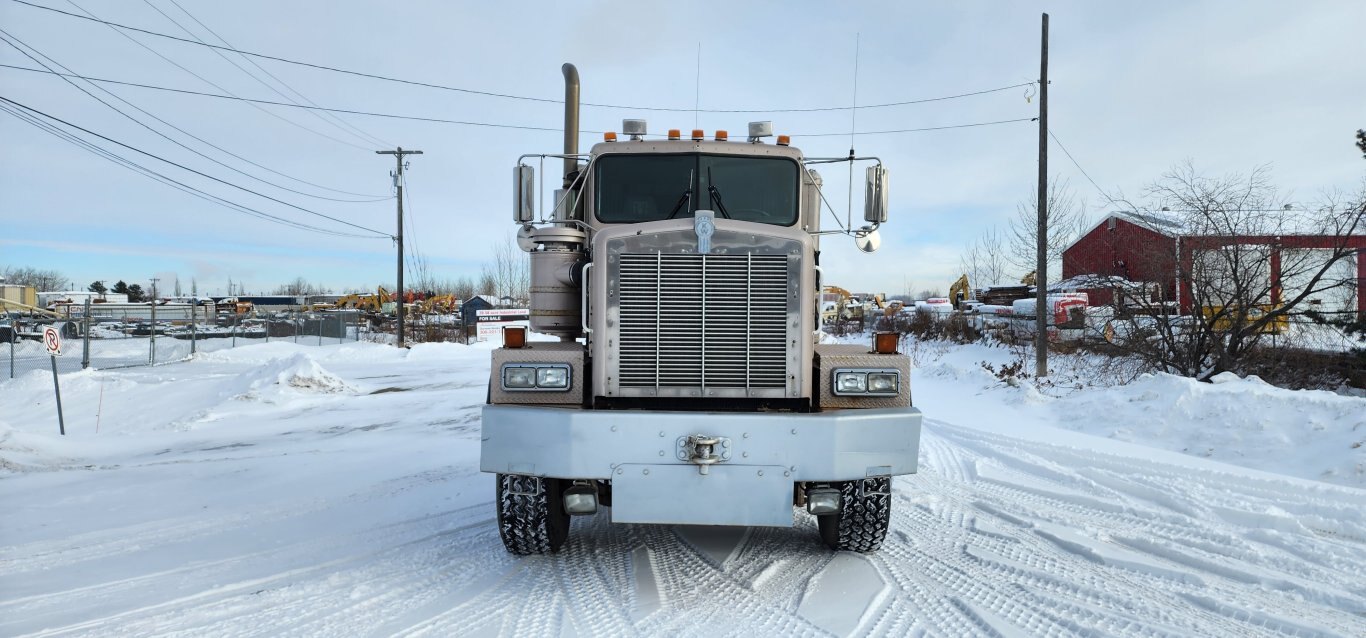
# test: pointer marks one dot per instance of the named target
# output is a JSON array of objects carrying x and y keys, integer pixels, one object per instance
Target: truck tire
[
  {"x": 531, "y": 516},
  {"x": 861, "y": 524}
]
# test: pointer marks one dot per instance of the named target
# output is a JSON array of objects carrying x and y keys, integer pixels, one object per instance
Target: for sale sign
[
  {"x": 502, "y": 314},
  {"x": 494, "y": 329},
  {"x": 53, "y": 340}
]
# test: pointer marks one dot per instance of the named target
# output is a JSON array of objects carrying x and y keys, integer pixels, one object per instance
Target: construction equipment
[
  {"x": 443, "y": 304},
  {"x": 1224, "y": 318},
  {"x": 699, "y": 393},
  {"x": 9, "y": 305},
  {"x": 367, "y": 302},
  {"x": 960, "y": 291}
]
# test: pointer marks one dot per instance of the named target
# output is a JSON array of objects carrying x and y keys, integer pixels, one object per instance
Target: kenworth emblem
[{"x": 703, "y": 225}]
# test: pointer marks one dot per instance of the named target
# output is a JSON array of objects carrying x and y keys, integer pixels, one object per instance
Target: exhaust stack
[{"x": 571, "y": 120}]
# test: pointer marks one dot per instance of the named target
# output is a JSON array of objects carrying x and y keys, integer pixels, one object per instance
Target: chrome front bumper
[{"x": 646, "y": 456}]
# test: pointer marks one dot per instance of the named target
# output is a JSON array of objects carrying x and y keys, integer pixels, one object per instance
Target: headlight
[
  {"x": 851, "y": 382},
  {"x": 875, "y": 382},
  {"x": 552, "y": 377},
  {"x": 536, "y": 376},
  {"x": 519, "y": 377},
  {"x": 882, "y": 383}
]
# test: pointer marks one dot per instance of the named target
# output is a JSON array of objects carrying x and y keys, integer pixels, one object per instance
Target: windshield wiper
[
  {"x": 715, "y": 195},
  {"x": 684, "y": 199}
]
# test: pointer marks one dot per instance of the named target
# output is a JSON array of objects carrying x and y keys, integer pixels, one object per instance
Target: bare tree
[
  {"x": 1246, "y": 264},
  {"x": 420, "y": 273},
  {"x": 511, "y": 270},
  {"x": 1066, "y": 222},
  {"x": 985, "y": 260},
  {"x": 42, "y": 280},
  {"x": 488, "y": 282},
  {"x": 299, "y": 286},
  {"x": 463, "y": 288}
]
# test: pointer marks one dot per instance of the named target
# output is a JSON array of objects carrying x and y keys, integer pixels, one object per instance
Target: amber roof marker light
[
  {"x": 885, "y": 342},
  {"x": 514, "y": 336}
]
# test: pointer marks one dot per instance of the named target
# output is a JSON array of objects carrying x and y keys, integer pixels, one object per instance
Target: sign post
[{"x": 53, "y": 340}]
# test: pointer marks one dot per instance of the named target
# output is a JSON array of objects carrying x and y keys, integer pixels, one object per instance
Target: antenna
[
  {"x": 697, "y": 87},
  {"x": 853, "y": 118}
]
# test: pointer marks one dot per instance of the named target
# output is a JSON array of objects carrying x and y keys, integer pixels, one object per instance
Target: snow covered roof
[
  {"x": 1081, "y": 282},
  {"x": 491, "y": 300},
  {"x": 1163, "y": 222}
]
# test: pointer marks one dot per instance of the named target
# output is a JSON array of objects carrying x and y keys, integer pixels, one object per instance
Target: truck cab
[{"x": 689, "y": 384}]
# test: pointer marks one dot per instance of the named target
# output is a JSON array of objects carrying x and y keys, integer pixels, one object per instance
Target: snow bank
[
  {"x": 299, "y": 373},
  {"x": 1308, "y": 433}
]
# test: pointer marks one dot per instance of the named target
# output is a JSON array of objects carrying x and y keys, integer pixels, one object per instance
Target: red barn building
[
  {"x": 1130, "y": 246},
  {"x": 1148, "y": 249}
]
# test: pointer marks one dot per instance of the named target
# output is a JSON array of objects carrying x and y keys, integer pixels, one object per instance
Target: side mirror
[
  {"x": 524, "y": 193},
  {"x": 875, "y": 196}
]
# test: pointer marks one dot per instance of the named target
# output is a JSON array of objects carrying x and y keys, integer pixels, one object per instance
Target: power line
[
  {"x": 914, "y": 130},
  {"x": 159, "y": 177},
  {"x": 335, "y": 121},
  {"x": 438, "y": 120},
  {"x": 411, "y": 237},
  {"x": 1074, "y": 163},
  {"x": 186, "y": 168},
  {"x": 7, "y": 37},
  {"x": 201, "y": 78},
  {"x": 509, "y": 96},
  {"x": 297, "y": 106}
]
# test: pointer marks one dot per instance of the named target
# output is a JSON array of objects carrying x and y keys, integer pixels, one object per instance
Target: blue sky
[{"x": 1136, "y": 88}]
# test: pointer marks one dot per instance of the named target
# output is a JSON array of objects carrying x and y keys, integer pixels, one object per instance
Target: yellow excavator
[
  {"x": 960, "y": 291},
  {"x": 850, "y": 310},
  {"x": 372, "y": 303},
  {"x": 443, "y": 304}
]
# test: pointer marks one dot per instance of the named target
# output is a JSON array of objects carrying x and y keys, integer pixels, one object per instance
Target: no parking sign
[{"x": 53, "y": 340}]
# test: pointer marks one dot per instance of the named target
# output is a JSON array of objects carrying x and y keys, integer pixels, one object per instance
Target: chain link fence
[{"x": 107, "y": 340}]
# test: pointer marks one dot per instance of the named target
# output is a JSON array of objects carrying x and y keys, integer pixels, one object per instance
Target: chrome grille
[{"x": 703, "y": 321}]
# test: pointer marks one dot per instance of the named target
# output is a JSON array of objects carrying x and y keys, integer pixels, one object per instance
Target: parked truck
[{"x": 689, "y": 384}]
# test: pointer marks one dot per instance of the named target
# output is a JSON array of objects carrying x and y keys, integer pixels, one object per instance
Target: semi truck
[{"x": 689, "y": 384}]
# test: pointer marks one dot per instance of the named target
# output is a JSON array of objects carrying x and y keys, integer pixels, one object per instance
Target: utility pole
[
  {"x": 152, "y": 345},
  {"x": 1041, "y": 276},
  {"x": 398, "y": 185}
]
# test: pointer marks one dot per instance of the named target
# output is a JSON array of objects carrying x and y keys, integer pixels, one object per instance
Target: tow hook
[{"x": 703, "y": 450}]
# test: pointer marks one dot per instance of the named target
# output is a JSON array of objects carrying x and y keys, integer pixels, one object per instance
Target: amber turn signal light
[
  {"x": 514, "y": 336},
  {"x": 675, "y": 134},
  {"x": 885, "y": 342}
]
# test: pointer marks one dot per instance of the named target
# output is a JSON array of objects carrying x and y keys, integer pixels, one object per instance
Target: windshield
[{"x": 644, "y": 188}]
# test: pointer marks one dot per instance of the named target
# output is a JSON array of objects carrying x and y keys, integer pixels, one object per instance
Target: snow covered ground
[{"x": 279, "y": 489}]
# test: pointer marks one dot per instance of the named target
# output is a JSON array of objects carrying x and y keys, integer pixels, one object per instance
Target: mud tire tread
[
  {"x": 531, "y": 516},
  {"x": 861, "y": 524}
]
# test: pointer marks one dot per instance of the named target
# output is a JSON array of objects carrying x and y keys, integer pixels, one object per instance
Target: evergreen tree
[
  {"x": 98, "y": 287},
  {"x": 120, "y": 288},
  {"x": 135, "y": 293}
]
